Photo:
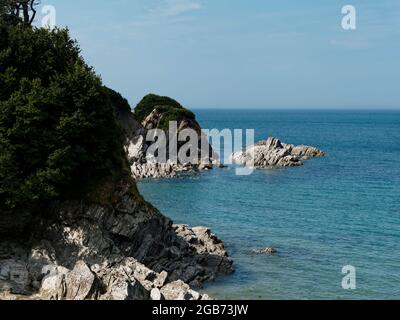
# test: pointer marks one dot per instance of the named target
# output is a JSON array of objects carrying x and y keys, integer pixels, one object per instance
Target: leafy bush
[
  {"x": 57, "y": 124},
  {"x": 171, "y": 110},
  {"x": 149, "y": 102},
  {"x": 118, "y": 101}
]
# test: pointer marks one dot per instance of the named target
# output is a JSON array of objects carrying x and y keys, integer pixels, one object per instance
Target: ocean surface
[{"x": 335, "y": 211}]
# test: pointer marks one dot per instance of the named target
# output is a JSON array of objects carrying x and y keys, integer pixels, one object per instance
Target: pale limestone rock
[
  {"x": 178, "y": 290},
  {"x": 80, "y": 282},
  {"x": 122, "y": 289},
  {"x": 273, "y": 153},
  {"x": 156, "y": 294},
  {"x": 53, "y": 286}
]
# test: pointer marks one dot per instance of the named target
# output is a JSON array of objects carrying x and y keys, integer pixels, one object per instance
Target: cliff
[
  {"x": 72, "y": 223},
  {"x": 107, "y": 243}
]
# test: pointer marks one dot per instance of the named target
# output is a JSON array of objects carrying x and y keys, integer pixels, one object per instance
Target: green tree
[
  {"x": 26, "y": 9},
  {"x": 57, "y": 125}
]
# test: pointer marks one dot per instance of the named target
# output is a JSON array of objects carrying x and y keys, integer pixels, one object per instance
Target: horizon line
[{"x": 298, "y": 108}]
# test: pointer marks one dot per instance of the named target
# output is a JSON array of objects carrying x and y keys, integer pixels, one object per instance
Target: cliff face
[
  {"x": 97, "y": 242},
  {"x": 109, "y": 244}
]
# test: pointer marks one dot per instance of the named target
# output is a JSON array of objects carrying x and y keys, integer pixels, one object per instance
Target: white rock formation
[{"x": 273, "y": 153}]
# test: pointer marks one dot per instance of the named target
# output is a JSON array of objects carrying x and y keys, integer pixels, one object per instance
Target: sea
[{"x": 335, "y": 222}]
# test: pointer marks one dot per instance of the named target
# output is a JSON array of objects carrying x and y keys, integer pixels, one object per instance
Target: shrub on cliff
[
  {"x": 149, "y": 102},
  {"x": 57, "y": 123},
  {"x": 171, "y": 110}
]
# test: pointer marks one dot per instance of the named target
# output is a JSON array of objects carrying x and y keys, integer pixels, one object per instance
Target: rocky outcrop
[
  {"x": 145, "y": 166},
  {"x": 123, "y": 250},
  {"x": 273, "y": 153},
  {"x": 210, "y": 254},
  {"x": 178, "y": 290},
  {"x": 266, "y": 250},
  {"x": 118, "y": 280}
]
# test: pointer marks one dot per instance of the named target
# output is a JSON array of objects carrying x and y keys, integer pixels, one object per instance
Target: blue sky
[{"x": 242, "y": 53}]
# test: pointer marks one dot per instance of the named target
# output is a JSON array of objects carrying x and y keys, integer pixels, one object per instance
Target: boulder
[
  {"x": 80, "y": 282},
  {"x": 178, "y": 290},
  {"x": 123, "y": 289},
  {"x": 53, "y": 285}
]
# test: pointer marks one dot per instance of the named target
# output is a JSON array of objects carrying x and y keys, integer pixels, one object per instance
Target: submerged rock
[
  {"x": 267, "y": 250},
  {"x": 273, "y": 153}
]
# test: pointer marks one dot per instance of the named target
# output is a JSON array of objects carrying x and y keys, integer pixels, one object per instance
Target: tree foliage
[
  {"x": 24, "y": 10},
  {"x": 170, "y": 109},
  {"x": 150, "y": 102},
  {"x": 57, "y": 123}
]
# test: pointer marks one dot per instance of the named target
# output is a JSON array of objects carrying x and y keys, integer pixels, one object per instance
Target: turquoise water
[{"x": 335, "y": 211}]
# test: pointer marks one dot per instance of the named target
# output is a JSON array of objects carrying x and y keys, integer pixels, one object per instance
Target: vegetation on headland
[
  {"x": 57, "y": 125},
  {"x": 171, "y": 110}
]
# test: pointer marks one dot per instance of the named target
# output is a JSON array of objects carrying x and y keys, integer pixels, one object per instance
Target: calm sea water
[{"x": 335, "y": 211}]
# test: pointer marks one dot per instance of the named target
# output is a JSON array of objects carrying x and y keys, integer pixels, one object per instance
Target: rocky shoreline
[
  {"x": 117, "y": 247},
  {"x": 122, "y": 248},
  {"x": 81, "y": 260}
]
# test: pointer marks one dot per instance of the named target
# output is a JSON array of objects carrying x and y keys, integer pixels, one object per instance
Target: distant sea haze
[{"x": 334, "y": 211}]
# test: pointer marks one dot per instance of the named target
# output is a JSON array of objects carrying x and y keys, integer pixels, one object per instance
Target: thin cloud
[{"x": 173, "y": 8}]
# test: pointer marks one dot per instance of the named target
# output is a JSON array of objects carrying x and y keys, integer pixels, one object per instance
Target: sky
[{"x": 242, "y": 53}]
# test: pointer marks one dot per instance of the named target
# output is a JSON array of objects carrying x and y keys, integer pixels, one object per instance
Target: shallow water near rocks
[{"x": 335, "y": 211}]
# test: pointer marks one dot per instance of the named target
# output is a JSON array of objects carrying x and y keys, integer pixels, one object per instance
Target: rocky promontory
[
  {"x": 272, "y": 153},
  {"x": 107, "y": 244},
  {"x": 72, "y": 223},
  {"x": 155, "y": 112}
]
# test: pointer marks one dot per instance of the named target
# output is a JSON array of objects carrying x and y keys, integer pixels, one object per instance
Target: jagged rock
[
  {"x": 80, "y": 282},
  {"x": 90, "y": 251},
  {"x": 202, "y": 239},
  {"x": 211, "y": 255},
  {"x": 122, "y": 289},
  {"x": 273, "y": 153},
  {"x": 53, "y": 286},
  {"x": 179, "y": 290}
]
